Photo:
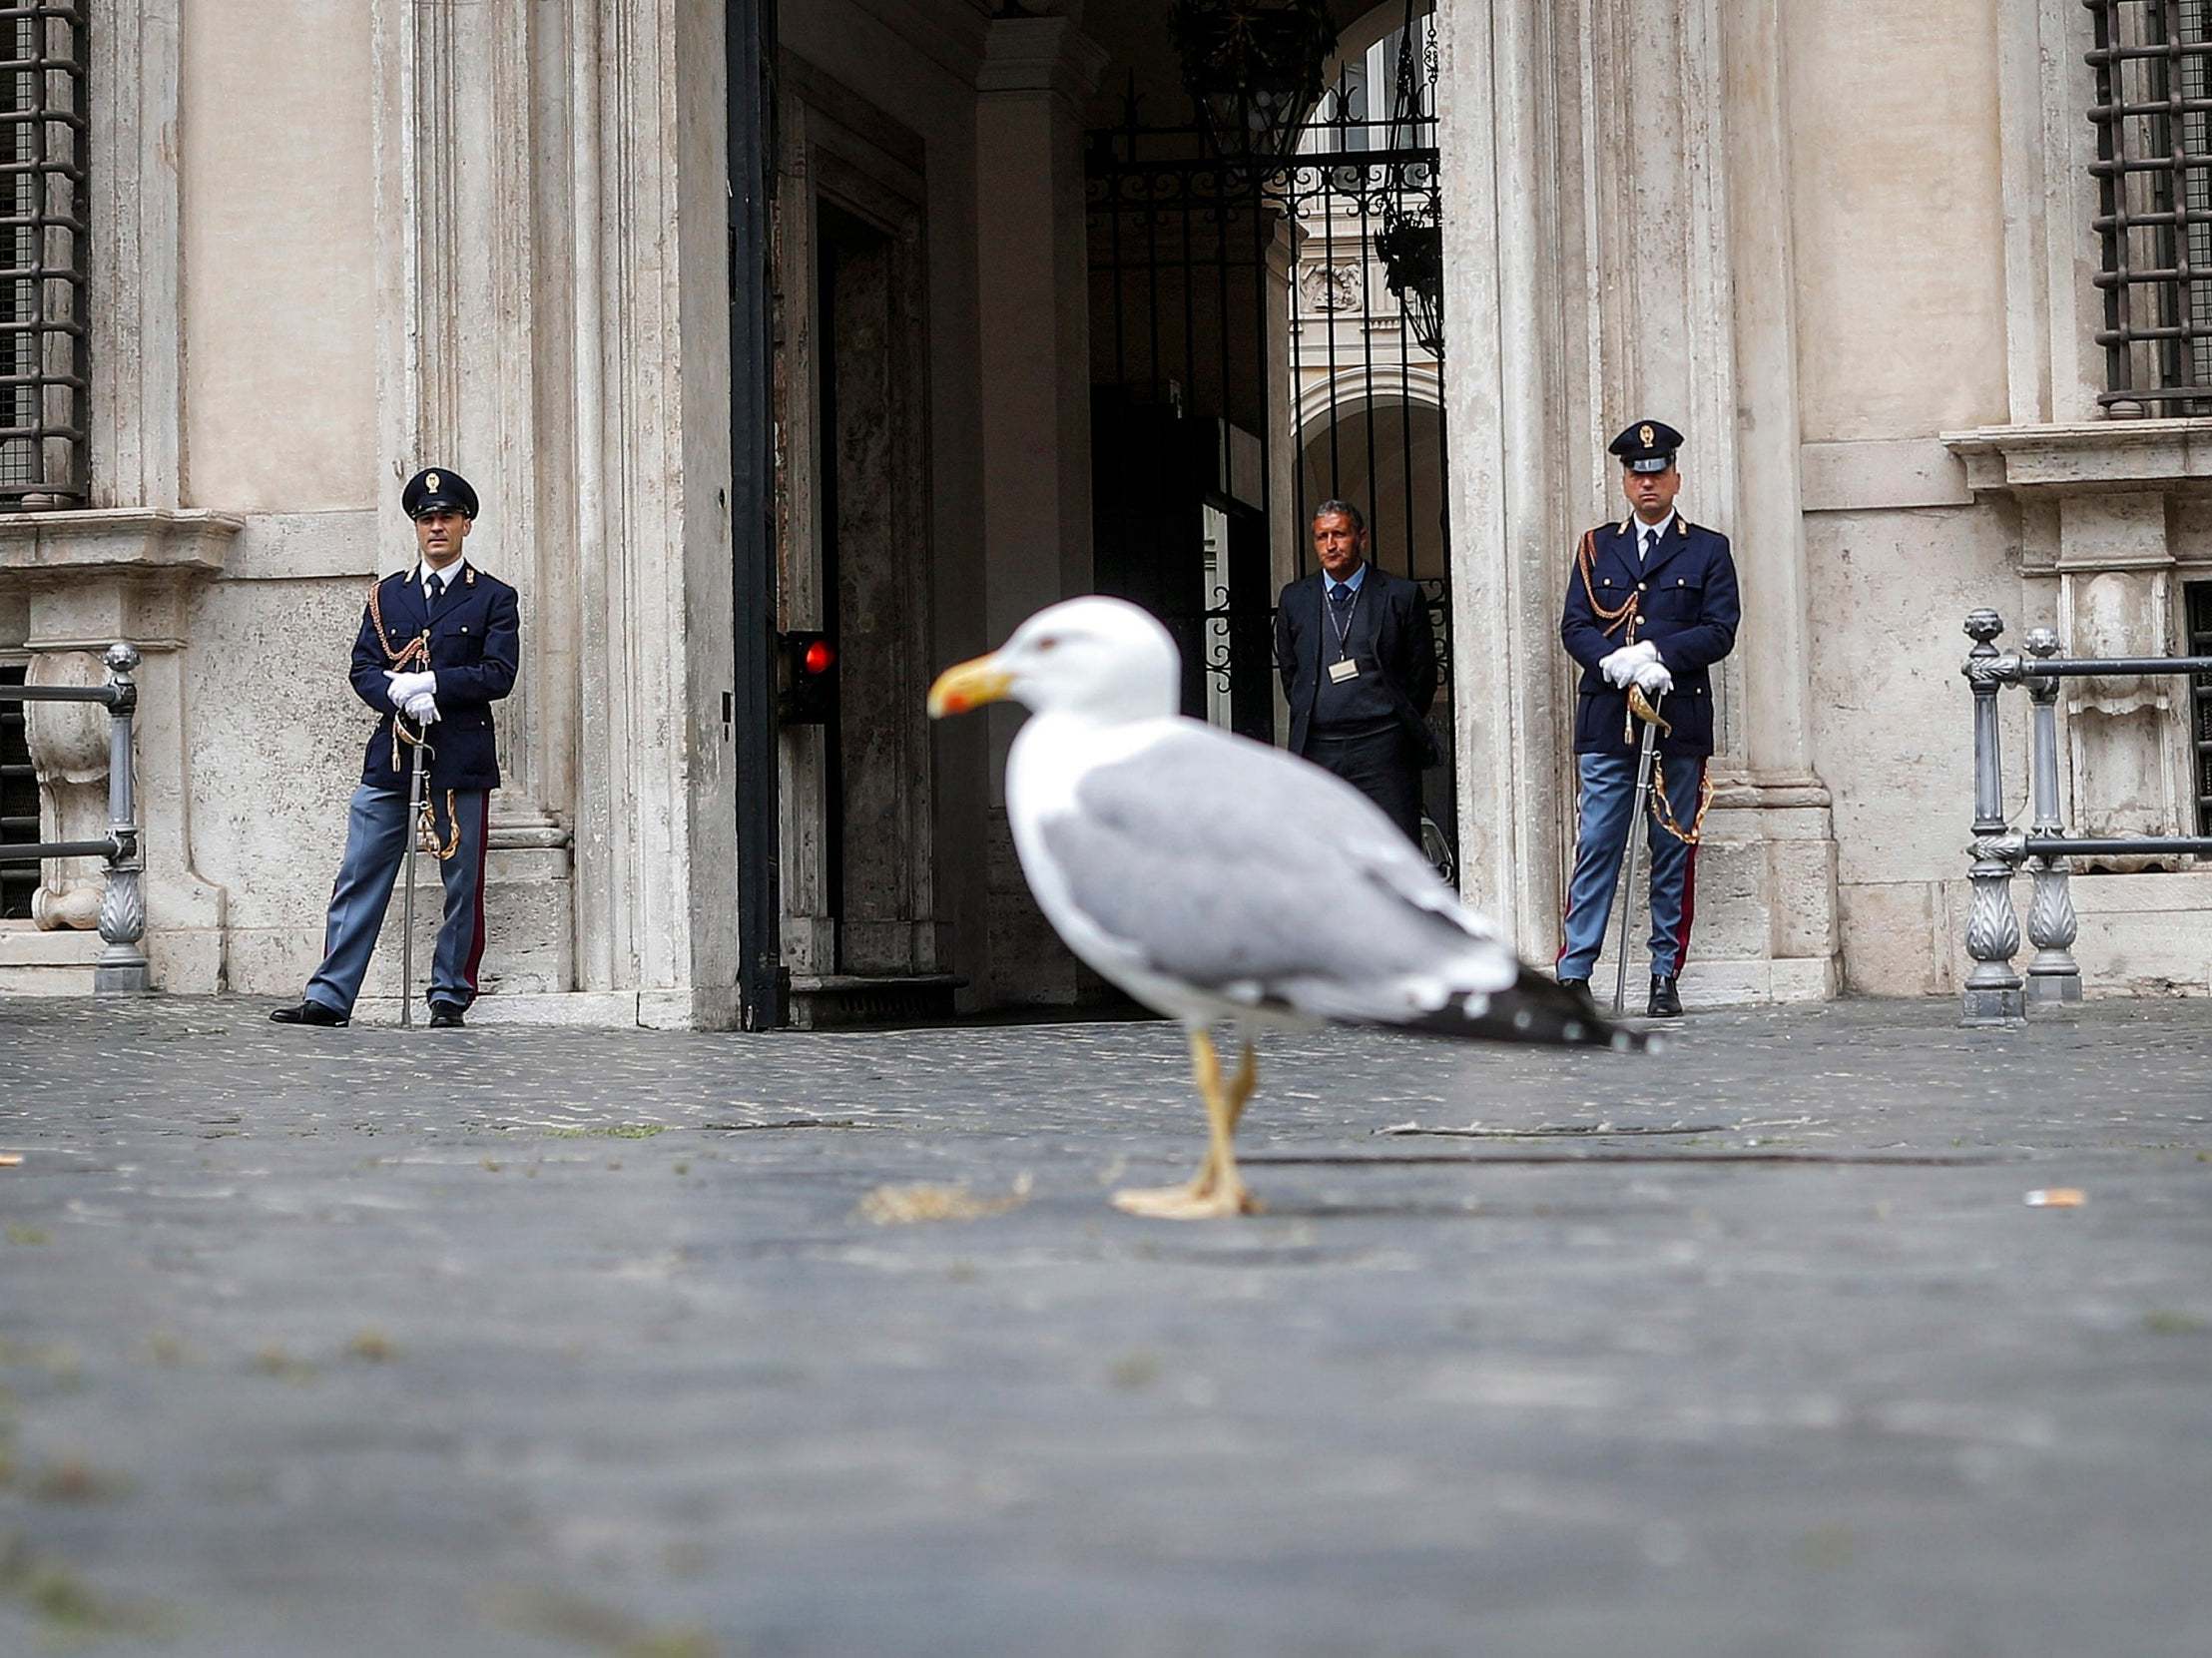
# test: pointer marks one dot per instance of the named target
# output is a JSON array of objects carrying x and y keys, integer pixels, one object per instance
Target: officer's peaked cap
[
  {"x": 1647, "y": 446},
  {"x": 437, "y": 488}
]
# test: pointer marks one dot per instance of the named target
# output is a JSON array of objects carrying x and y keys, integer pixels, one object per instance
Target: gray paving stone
[{"x": 542, "y": 1340}]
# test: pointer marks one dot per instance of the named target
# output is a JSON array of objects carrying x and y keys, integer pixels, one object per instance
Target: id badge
[{"x": 1338, "y": 672}]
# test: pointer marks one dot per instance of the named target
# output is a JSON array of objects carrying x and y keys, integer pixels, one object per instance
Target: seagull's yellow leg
[
  {"x": 1242, "y": 1085},
  {"x": 1217, "y": 1190}
]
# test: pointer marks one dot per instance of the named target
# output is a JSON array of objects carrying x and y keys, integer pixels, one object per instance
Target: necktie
[
  {"x": 1340, "y": 595},
  {"x": 437, "y": 591},
  {"x": 1651, "y": 542}
]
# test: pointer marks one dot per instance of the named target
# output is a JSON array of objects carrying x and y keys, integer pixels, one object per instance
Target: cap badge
[
  {"x": 1643, "y": 436},
  {"x": 430, "y": 480}
]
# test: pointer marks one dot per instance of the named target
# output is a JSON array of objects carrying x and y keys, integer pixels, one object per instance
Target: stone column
[
  {"x": 1507, "y": 425},
  {"x": 1785, "y": 805},
  {"x": 1034, "y": 323},
  {"x": 473, "y": 377},
  {"x": 1035, "y": 317}
]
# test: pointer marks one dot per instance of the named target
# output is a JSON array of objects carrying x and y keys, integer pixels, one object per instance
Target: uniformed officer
[
  {"x": 438, "y": 645},
  {"x": 1651, "y": 602},
  {"x": 1357, "y": 660}
]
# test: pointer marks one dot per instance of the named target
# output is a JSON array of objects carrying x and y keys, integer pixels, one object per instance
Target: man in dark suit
[
  {"x": 1359, "y": 665},
  {"x": 438, "y": 645},
  {"x": 1651, "y": 603}
]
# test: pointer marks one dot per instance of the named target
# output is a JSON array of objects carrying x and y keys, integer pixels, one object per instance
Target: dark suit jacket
[
  {"x": 475, "y": 650},
  {"x": 1689, "y": 609},
  {"x": 1405, "y": 648}
]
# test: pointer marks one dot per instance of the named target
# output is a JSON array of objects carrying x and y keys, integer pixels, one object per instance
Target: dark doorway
[
  {"x": 852, "y": 266},
  {"x": 869, "y": 488}
]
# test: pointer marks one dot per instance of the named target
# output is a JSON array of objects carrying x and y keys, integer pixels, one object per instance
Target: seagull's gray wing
[{"x": 1245, "y": 871}]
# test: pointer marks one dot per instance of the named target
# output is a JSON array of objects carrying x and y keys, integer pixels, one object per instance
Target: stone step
[
  {"x": 825, "y": 1002},
  {"x": 36, "y": 964}
]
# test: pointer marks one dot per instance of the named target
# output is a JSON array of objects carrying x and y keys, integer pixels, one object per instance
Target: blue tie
[
  {"x": 437, "y": 592},
  {"x": 1340, "y": 595}
]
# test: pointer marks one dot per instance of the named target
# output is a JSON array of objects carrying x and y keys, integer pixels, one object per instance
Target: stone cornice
[
  {"x": 125, "y": 542},
  {"x": 1041, "y": 54},
  {"x": 2098, "y": 456}
]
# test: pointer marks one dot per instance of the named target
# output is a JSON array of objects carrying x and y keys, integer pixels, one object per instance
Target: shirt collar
[
  {"x": 449, "y": 575},
  {"x": 1330, "y": 583},
  {"x": 1639, "y": 529}
]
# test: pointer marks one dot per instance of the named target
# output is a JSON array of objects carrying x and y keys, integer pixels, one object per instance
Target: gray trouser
[{"x": 375, "y": 842}]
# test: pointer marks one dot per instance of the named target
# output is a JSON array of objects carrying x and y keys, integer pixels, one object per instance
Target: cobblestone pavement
[{"x": 542, "y": 1341}]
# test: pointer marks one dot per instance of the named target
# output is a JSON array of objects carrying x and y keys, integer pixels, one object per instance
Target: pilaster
[{"x": 137, "y": 345}]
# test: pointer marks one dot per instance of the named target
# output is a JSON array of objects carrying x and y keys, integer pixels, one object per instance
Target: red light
[{"x": 818, "y": 657}]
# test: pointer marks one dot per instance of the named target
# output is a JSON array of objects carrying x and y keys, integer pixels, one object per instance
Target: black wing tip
[{"x": 1536, "y": 1009}]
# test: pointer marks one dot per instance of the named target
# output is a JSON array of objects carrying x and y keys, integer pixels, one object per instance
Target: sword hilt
[{"x": 1647, "y": 710}]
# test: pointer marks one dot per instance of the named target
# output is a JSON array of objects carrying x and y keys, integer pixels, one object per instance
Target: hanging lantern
[
  {"x": 1410, "y": 246},
  {"x": 1253, "y": 68}
]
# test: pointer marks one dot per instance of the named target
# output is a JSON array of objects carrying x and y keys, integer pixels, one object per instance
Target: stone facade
[{"x": 494, "y": 236}]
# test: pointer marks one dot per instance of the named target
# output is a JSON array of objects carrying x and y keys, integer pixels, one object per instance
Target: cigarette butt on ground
[
  {"x": 11, "y": 1160},
  {"x": 2056, "y": 1197}
]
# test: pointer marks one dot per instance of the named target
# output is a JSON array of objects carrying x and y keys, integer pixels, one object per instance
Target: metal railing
[
  {"x": 1994, "y": 994},
  {"x": 122, "y": 965}
]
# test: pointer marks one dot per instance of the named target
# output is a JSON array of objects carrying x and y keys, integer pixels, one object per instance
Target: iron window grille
[
  {"x": 18, "y": 801},
  {"x": 43, "y": 142},
  {"x": 2199, "y": 599}
]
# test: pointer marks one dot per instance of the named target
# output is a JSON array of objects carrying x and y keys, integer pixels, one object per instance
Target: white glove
[
  {"x": 422, "y": 708},
  {"x": 1621, "y": 666},
  {"x": 404, "y": 686},
  {"x": 1653, "y": 680}
]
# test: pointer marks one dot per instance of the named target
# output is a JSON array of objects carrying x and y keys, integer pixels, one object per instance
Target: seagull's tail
[{"x": 1535, "y": 1009}]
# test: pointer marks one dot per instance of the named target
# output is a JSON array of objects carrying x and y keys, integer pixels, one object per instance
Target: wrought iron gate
[{"x": 1267, "y": 335}]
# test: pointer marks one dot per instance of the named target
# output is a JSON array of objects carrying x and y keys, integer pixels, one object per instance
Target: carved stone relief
[
  {"x": 2120, "y": 725},
  {"x": 68, "y": 748}
]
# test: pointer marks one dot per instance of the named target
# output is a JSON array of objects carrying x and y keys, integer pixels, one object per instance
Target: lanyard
[{"x": 1343, "y": 633}]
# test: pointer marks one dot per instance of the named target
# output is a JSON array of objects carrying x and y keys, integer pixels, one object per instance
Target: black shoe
[
  {"x": 445, "y": 1016},
  {"x": 1664, "y": 1004},
  {"x": 310, "y": 1012},
  {"x": 1579, "y": 987}
]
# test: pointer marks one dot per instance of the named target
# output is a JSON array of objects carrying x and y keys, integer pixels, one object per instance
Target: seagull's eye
[{"x": 1047, "y": 643}]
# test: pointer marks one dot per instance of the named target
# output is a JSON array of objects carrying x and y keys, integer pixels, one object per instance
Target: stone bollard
[
  {"x": 1993, "y": 993},
  {"x": 122, "y": 965},
  {"x": 2054, "y": 977}
]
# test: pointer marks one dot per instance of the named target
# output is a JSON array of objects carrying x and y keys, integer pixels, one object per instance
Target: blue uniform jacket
[
  {"x": 1688, "y": 606},
  {"x": 475, "y": 650}
]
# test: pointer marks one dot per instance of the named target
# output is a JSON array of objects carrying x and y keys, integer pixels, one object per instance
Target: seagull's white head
[{"x": 1104, "y": 659}]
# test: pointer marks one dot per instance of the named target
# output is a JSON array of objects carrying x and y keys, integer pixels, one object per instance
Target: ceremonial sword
[
  {"x": 415, "y": 837},
  {"x": 1648, "y": 712}
]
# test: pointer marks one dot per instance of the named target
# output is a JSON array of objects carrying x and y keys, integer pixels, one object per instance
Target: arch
[
  {"x": 1387, "y": 456},
  {"x": 1350, "y": 389},
  {"x": 1369, "y": 26}
]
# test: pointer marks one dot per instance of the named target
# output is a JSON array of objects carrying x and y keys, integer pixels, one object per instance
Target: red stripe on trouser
[
  {"x": 483, "y": 855},
  {"x": 1689, "y": 887}
]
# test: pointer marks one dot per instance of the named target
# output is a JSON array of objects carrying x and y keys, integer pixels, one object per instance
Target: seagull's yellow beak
[{"x": 969, "y": 685}]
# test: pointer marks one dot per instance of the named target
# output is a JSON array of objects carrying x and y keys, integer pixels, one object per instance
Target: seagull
[{"x": 1218, "y": 881}]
